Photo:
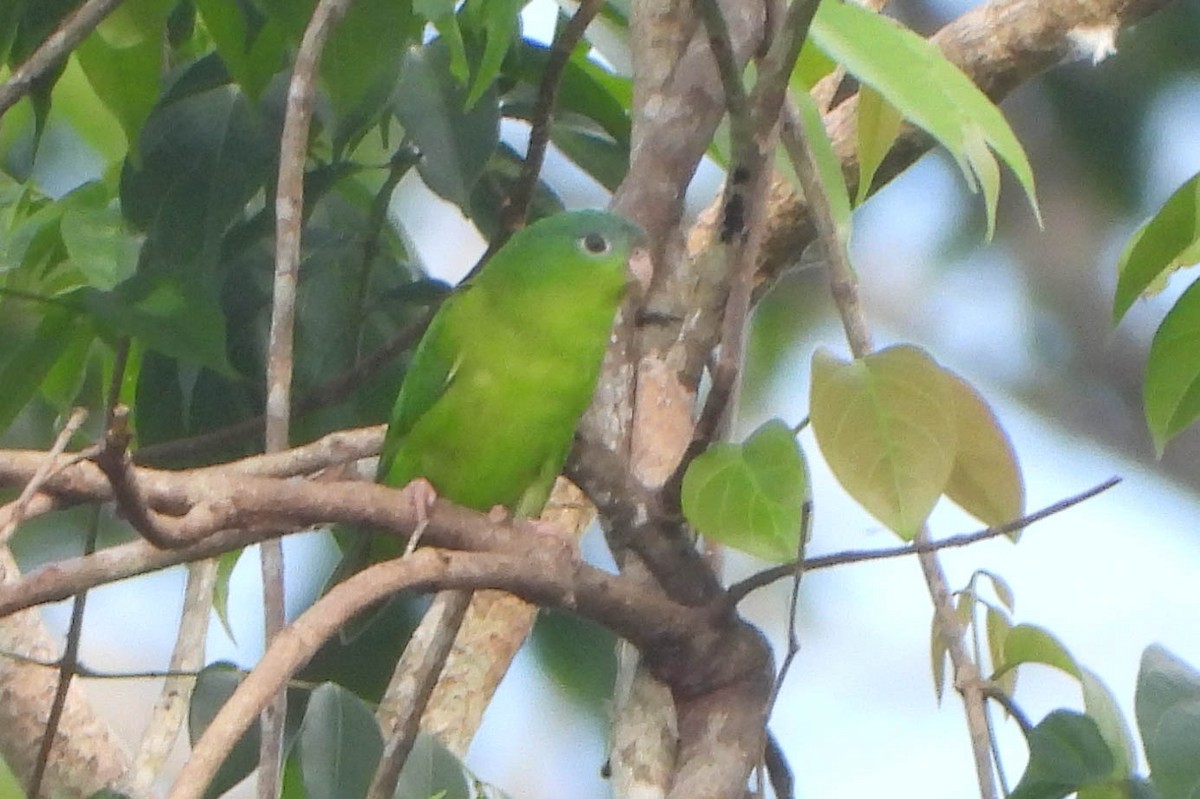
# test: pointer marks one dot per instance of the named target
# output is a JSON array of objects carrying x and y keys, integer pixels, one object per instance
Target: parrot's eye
[{"x": 595, "y": 244}]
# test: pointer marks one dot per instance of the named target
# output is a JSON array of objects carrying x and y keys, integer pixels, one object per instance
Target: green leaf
[
  {"x": 205, "y": 154},
  {"x": 1171, "y": 394},
  {"x": 998, "y": 627},
  {"x": 829, "y": 166},
  {"x": 252, "y": 46},
  {"x": 887, "y": 426},
  {"x": 339, "y": 744},
  {"x": 1066, "y": 752},
  {"x": 1167, "y": 704},
  {"x": 1163, "y": 244},
  {"x": 126, "y": 79},
  {"x": 913, "y": 75},
  {"x": 1027, "y": 643},
  {"x": 986, "y": 481},
  {"x": 97, "y": 240},
  {"x": 171, "y": 317},
  {"x": 225, "y": 566},
  {"x": 877, "y": 125},
  {"x": 501, "y": 25},
  {"x": 362, "y": 64},
  {"x": 750, "y": 496},
  {"x": 455, "y": 145},
  {"x": 22, "y": 374}
]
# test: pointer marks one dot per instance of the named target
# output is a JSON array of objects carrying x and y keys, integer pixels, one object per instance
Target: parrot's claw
[
  {"x": 498, "y": 514},
  {"x": 421, "y": 493}
]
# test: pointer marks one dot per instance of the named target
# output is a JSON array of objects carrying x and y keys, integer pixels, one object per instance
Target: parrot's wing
[{"x": 430, "y": 373}]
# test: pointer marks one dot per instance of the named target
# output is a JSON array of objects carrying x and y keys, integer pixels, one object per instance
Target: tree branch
[{"x": 57, "y": 47}]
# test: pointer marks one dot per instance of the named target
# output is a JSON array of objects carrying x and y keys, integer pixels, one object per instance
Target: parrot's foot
[{"x": 421, "y": 494}]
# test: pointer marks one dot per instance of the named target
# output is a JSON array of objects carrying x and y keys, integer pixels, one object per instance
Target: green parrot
[{"x": 496, "y": 387}]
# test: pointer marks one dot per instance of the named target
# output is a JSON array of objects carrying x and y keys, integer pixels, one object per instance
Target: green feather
[{"x": 490, "y": 402}]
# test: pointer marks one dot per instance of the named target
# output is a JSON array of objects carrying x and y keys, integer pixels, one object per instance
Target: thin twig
[
  {"x": 68, "y": 664},
  {"x": 50, "y": 53},
  {"x": 542, "y": 120},
  {"x": 289, "y": 218},
  {"x": 15, "y": 511},
  {"x": 739, "y": 590}
]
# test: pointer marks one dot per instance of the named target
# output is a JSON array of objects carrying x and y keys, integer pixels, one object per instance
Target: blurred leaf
[
  {"x": 986, "y": 480},
  {"x": 587, "y": 89},
  {"x": 173, "y": 318},
  {"x": 1168, "y": 241},
  {"x": 214, "y": 685},
  {"x": 877, "y": 123},
  {"x": 205, "y": 154},
  {"x": 96, "y": 239},
  {"x": 1171, "y": 392},
  {"x": 455, "y": 145},
  {"x": 914, "y": 76},
  {"x": 1003, "y": 590},
  {"x": 578, "y": 655},
  {"x": 829, "y": 166},
  {"x": 938, "y": 653},
  {"x": 609, "y": 32},
  {"x": 433, "y": 771},
  {"x": 1167, "y": 704},
  {"x": 252, "y": 46},
  {"x": 363, "y": 63},
  {"x": 750, "y": 496},
  {"x": 62, "y": 385},
  {"x": 124, "y": 77},
  {"x": 998, "y": 626},
  {"x": 501, "y": 25},
  {"x": 887, "y": 427},
  {"x": 226, "y": 563},
  {"x": 23, "y": 372},
  {"x": 339, "y": 744},
  {"x": 1027, "y": 643},
  {"x": 1066, "y": 752},
  {"x": 601, "y": 158},
  {"x": 1103, "y": 709}
]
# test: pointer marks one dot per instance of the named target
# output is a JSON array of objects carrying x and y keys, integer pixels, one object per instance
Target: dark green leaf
[
  {"x": 174, "y": 318},
  {"x": 578, "y": 655},
  {"x": 497, "y": 184},
  {"x": 22, "y": 374},
  {"x": 455, "y": 144},
  {"x": 204, "y": 155},
  {"x": 1066, "y": 752}
]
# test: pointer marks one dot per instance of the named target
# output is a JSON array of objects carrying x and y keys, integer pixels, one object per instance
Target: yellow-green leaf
[
  {"x": 1027, "y": 643},
  {"x": 986, "y": 479},
  {"x": 750, "y": 496},
  {"x": 877, "y": 123},
  {"x": 888, "y": 429}
]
